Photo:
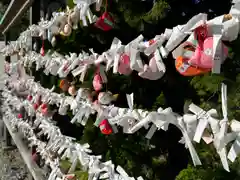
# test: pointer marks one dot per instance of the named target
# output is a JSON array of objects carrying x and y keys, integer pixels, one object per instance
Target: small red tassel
[
  {"x": 42, "y": 52},
  {"x": 19, "y": 116}
]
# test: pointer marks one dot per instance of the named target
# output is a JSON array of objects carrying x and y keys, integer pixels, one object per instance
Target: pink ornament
[
  {"x": 44, "y": 111},
  {"x": 97, "y": 82},
  {"x": 203, "y": 55},
  {"x": 72, "y": 91},
  {"x": 29, "y": 97},
  {"x": 124, "y": 65},
  {"x": 43, "y": 106},
  {"x": 19, "y": 116}
]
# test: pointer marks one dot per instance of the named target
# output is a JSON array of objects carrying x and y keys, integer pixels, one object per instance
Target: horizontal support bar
[{"x": 36, "y": 172}]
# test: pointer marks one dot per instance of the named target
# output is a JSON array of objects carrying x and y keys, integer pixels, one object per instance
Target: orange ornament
[
  {"x": 64, "y": 85},
  {"x": 186, "y": 69},
  {"x": 150, "y": 42}
]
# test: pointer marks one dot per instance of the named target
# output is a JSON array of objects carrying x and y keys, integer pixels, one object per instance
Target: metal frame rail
[
  {"x": 13, "y": 13},
  {"x": 36, "y": 172}
]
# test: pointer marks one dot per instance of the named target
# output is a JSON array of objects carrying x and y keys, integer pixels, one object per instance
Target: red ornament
[
  {"x": 29, "y": 98},
  {"x": 35, "y": 106},
  {"x": 105, "y": 127},
  {"x": 97, "y": 82},
  {"x": 19, "y": 116},
  {"x": 105, "y": 22}
]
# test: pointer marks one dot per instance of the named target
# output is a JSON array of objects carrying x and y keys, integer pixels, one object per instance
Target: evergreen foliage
[{"x": 162, "y": 157}]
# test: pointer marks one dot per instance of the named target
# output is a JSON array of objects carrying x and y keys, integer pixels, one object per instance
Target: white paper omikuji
[
  {"x": 59, "y": 143},
  {"x": 161, "y": 119},
  {"x": 174, "y": 37},
  {"x": 218, "y": 128},
  {"x": 85, "y": 11},
  {"x": 155, "y": 69},
  {"x": 193, "y": 129},
  {"x": 23, "y": 126}
]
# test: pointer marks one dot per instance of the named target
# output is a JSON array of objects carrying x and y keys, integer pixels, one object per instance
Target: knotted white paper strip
[
  {"x": 91, "y": 162},
  {"x": 229, "y": 32},
  {"x": 204, "y": 118}
]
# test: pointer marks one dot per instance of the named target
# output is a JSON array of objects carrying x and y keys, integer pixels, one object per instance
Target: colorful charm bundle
[{"x": 197, "y": 55}]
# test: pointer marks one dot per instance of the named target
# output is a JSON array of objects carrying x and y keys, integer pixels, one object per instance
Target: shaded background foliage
[
  {"x": 19, "y": 26},
  {"x": 162, "y": 157}
]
